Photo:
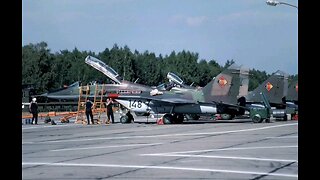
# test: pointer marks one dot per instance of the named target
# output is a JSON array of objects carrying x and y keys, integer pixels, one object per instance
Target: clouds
[
  {"x": 235, "y": 17},
  {"x": 190, "y": 21},
  {"x": 252, "y": 17},
  {"x": 196, "y": 21}
]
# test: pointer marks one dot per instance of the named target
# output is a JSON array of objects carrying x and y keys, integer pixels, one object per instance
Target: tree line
[{"x": 47, "y": 70}]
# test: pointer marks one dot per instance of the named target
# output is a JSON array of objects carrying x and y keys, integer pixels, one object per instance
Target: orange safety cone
[{"x": 160, "y": 121}]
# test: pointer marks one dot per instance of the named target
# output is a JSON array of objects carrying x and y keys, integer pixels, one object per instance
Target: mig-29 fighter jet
[
  {"x": 72, "y": 91},
  {"x": 275, "y": 88},
  {"x": 218, "y": 96}
]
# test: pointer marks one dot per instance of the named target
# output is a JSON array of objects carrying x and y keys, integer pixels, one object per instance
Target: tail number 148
[{"x": 135, "y": 103}]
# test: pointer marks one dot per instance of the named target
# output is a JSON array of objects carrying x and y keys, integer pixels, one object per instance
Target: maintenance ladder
[
  {"x": 99, "y": 104},
  {"x": 84, "y": 92}
]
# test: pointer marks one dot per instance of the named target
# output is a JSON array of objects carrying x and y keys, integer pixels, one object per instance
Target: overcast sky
[{"x": 250, "y": 32}]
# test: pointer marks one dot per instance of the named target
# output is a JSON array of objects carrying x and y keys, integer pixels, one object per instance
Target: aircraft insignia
[
  {"x": 269, "y": 86},
  {"x": 222, "y": 81}
]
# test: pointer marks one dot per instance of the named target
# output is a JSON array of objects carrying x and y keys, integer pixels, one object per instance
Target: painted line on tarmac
[
  {"x": 159, "y": 167},
  {"x": 49, "y": 126},
  {"x": 283, "y": 137},
  {"x": 221, "y": 157},
  {"x": 171, "y": 135},
  {"x": 105, "y": 147},
  {"x": 225, "y": 149}
]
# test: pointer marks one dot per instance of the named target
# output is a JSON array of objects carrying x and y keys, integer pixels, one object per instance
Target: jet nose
[{"x": 43, "y": 95}]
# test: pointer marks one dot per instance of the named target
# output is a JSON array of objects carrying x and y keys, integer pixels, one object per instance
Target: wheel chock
[{"x": 160, "y": 121}]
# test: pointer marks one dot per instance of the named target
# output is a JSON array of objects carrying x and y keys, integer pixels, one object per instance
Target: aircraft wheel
[
  {"x": 192, "y": 117},
  {"x": 189, "y": 117},
  {"x": 124, "y": 119},
  {"x": 195, "y": 117},
  {"x": 178, "y": 118},
  {"x": 226, "y": 116},
  {"x": 167, "y": 119},
  {"x": 257, "y": 118}
]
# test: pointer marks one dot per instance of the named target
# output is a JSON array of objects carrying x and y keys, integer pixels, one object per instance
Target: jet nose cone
[{"x": 44, "y": 94}]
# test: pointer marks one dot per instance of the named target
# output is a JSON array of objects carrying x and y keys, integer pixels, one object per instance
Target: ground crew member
[
  {"x": 130, "y": 117},
  {"x": 33, "y": 108},
  {"x": 89, "y": 106},
  {"x": 109, "y": 110}
]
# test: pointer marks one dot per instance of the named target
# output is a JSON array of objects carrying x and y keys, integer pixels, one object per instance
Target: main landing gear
[{"x": 173, "y": 118}]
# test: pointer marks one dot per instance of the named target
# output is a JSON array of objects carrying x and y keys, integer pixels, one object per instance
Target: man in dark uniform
[
  {"x": 33, "y": 108},
  {"x": 130, "y": 117},
  {"x": 89, "y": 106},
  {"x": 109, "y": 110}
]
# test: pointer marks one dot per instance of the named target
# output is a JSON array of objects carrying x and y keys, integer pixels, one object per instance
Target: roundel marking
[
  {"x": 269, "y": 86},
  {"x": 222, "y": 81}
]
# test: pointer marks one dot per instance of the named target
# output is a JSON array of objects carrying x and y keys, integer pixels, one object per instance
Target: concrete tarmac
[{"x": 202, "y": 149}]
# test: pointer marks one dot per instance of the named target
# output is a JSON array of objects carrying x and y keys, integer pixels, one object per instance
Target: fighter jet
[
  {"x": 72, "y": 92},
  {"x": 120, "y": 86},
  {"x": 275, "y": 88},
  {"x": 218, "y": 96}
]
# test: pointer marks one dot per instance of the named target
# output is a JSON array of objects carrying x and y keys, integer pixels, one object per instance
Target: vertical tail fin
[
  {"x": 274, "y": 88},
  {"x": 293, "y": 91},
  {"x": 244, "y": 81},
  {"x": 225, "y": 87}
]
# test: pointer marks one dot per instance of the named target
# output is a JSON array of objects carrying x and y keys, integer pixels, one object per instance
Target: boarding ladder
[
  {"x": 99, "y": 103},
  {"x": 84, "y": 92}
]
